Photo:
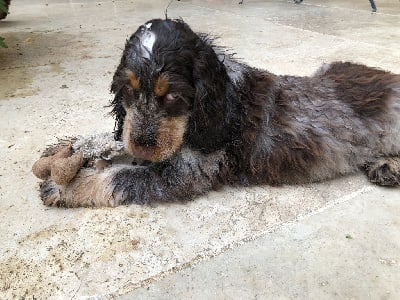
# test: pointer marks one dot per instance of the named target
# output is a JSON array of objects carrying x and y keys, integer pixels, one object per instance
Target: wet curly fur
[{"x": 201, "y": 119}]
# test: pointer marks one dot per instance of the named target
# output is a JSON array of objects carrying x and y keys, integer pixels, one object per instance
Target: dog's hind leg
[{"x": 384, "y": 171}]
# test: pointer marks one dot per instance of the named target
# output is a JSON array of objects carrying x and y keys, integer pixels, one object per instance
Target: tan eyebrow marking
[
  {"x": 133, "y": 80},
  {"x": 161, "y": 86}
]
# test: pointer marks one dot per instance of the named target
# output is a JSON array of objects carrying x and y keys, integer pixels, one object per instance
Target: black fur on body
[{"x": 204, "y": 120}]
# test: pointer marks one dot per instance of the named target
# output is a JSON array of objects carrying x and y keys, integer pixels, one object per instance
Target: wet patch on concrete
[
  {"x": 28, "y": 50},
  {"x": 17, "y": 83}
]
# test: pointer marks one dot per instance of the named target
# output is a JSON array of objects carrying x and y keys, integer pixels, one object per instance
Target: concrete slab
[
  {"x": 54, "y": 80},
  {"x": 335, "y": 254}
]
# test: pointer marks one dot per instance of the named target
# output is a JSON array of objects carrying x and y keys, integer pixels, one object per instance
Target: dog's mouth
[
  {"x": 156, "y": 153},
  {"x": 142, "y": 152},
  {"x": 169, "y": 139}
]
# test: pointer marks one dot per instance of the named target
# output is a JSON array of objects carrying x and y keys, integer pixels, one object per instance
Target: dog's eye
[
  {"x": 129, "y": 90},
  {"x": 129, "y": 95},
  {"x": 168, "y": 99}
]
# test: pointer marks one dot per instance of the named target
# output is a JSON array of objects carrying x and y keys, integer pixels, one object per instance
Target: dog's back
[{"x": 342, "y": 118}]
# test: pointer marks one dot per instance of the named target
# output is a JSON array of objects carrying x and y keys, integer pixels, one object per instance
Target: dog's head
[{"x": 166, "y": 70}]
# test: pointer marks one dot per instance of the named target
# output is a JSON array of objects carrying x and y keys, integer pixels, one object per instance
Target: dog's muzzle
[{"x": 141, "y": 152}]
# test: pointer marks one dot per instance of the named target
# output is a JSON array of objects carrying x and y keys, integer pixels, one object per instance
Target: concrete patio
[{"x": 334, "y": 240}]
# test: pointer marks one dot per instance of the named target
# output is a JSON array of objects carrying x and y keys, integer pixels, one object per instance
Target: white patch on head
[
  {"x": 147, "y": 40},
  {"x": 148, "y": 25}
]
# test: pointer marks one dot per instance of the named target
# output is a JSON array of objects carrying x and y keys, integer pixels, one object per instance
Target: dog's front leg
[{"x": 188, "y": 174}]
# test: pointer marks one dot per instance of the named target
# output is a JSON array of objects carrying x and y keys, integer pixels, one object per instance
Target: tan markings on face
[
  {"x": 133, "y": 79},
  {"x": 161, "y": 86},
  {"x": 169, "y": 137}
]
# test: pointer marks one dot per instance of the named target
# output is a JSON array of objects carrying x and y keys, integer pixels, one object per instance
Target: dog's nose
[{"x": 148, "y": 140}]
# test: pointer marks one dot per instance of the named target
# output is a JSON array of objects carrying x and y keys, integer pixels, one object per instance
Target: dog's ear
[
  {"x": 118, "y": 110},
  {"x": 207, "y": 125},
  {"x": 208, "y": 72},
  {"x": 119, "y": 113}
]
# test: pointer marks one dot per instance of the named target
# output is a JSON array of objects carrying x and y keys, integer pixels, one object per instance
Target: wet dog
[{"x": 201, "y": 119}]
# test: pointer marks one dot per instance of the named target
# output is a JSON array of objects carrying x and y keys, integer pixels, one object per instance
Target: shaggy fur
[{"x": 202, "y": 119}]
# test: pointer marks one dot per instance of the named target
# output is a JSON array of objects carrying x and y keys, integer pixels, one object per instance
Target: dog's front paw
[
  {"x": 50, "y": 193},
  {"x": 89, "y": 188}
]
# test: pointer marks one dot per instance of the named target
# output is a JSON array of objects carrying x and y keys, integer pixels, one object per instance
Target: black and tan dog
[{"x": 201, "y": 120}]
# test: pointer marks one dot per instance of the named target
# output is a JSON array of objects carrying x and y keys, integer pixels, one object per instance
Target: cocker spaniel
[{"x": 199, "y": 119}]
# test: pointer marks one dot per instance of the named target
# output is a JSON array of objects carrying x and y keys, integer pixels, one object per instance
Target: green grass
[
  {"x": 2, "y": 43},
  {"x": 4, "y": 8}
]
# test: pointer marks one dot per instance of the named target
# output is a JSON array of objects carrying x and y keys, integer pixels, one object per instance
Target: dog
[{"x": 201, "y": 119}]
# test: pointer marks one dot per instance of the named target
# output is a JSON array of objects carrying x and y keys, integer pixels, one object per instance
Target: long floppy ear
[
  {"x": 118, "y": 110},
  {"x": 209, "y": 73},
  {"x": 119, "y": 114},
  {"x": 210, "y": 105}
]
